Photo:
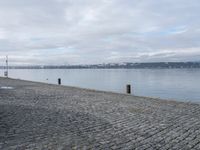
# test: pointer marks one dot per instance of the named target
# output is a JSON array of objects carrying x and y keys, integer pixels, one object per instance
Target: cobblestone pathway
[{"x": 41, "y": 116}]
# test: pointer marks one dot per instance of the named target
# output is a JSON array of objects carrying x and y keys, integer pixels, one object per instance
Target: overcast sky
[{"x": 99, "y": 31}]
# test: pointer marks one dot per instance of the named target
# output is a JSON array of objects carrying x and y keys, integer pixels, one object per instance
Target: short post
[
  {"x": 59, "y": 81},
  {"x": 128, "y": 89},
  {"x": 6, "y": 74}
]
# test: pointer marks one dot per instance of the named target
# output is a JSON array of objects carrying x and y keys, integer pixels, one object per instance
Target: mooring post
[
  {"x": 128, "y": 89},
  {"x": 6, "y": 72},
  {"x": 59, "y": 81}
]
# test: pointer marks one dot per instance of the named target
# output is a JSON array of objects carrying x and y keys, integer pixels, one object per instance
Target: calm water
[{"x": 178, "y": 84}]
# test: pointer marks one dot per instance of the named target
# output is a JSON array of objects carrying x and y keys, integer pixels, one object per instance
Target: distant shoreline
[
  {"x": 153, "y": 65},
  {"x": 91, "y": 68}
]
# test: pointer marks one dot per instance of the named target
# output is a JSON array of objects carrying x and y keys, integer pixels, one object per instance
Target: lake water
[{"x": 177, "y": 84}]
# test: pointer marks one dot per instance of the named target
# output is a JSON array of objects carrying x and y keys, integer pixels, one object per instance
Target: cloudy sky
[{"x": 99, "y": 31}]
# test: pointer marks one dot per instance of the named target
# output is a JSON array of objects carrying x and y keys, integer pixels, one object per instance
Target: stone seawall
[{"x": 42, "y": 116}]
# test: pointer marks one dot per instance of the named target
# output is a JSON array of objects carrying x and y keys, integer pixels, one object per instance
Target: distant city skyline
[{"x": 62, "y": 32}]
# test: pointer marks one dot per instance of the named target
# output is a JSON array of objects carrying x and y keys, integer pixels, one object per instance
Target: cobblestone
[{"x": 42, "y": 116}]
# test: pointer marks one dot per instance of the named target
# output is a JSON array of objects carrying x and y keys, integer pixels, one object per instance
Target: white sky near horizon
[{"x": 60, "y": 32}]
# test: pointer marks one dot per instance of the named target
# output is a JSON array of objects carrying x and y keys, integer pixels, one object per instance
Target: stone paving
[{"x": 50, "y": 117}]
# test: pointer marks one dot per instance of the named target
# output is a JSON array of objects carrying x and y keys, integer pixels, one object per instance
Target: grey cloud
[{"x": 93, "y": 31}]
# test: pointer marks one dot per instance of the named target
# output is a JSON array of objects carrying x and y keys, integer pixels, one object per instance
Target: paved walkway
[{"x": 41, "y": 116}]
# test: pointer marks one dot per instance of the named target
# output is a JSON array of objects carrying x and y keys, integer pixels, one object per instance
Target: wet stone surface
[{"x": 41, "y": 116}]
